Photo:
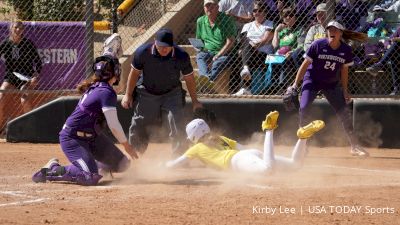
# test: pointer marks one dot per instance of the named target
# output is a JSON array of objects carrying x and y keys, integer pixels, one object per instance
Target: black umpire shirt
[{"x": 161, "y": 74}]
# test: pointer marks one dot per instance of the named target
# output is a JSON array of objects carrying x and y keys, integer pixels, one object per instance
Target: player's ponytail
[
  {"x": 354, "y": 36},
  {"x": 84, "y": 85}
]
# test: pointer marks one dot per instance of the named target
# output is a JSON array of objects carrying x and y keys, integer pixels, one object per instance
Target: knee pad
[{"x": 88, "y": 179}]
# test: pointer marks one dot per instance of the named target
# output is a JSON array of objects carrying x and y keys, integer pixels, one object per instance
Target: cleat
[
  {"x": 113, "y": 46},
  {"x": 270, "y": 121},
  {"x": 310, "y": 129},
  {"x": 359, "y": 151},
  {"x": 40, "y": 176}
]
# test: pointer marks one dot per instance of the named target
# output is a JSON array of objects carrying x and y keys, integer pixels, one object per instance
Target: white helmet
[{"x": 196, "y": 129}]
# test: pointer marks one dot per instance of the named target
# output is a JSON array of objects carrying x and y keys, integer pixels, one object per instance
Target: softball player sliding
[
  {"x": 222, "y": 153},
  {"x": 323, "y": 61},
  {"x": 81, "y": 138}
]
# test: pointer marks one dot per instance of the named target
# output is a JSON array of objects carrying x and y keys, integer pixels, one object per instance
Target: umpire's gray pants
[{"x": 148, "y": 109}]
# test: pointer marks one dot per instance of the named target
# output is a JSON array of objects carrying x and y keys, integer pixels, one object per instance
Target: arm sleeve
[
  {"x": 198, "y": 28},
  {"x": 37, "y": 62},
  {"x": 173, "y": 163},
  {"x": 311, "y": 53},
  {"x": 187, "y": 67},
  {"x": 137, "y": 61},
  {"x": 114, "y": 124}
]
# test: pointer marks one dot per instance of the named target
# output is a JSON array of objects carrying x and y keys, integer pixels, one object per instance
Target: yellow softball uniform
[{"x": 213, "y": 157}]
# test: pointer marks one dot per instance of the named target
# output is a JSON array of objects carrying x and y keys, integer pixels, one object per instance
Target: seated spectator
[
  {"x": 256, "y": 45},
  {"x": 392, "y": 56},
  {"x": 317, "y": 31},
  {"x": 352, "y": 13},
  {"x": 218, "y": 32},
  {"x": 21, "y": 58},
  {"x": 287, "y": 41}
]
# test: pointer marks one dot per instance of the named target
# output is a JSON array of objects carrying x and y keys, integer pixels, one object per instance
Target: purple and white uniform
[
  {"x": 326, "y": 63},
  {"x": 81, "y": 138},
  {"x": 323, "y": 74}
]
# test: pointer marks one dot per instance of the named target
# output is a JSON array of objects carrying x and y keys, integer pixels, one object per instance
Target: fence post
[
  {"x": 89, "y": 20},
  {"x": 114, "y": 17}
]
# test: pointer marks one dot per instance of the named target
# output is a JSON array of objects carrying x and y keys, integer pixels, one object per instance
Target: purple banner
[{"x": 62, "y": 50}]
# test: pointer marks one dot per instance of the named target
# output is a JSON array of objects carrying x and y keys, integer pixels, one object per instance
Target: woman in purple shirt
[
  {"x": 81, "y": 138},
  {"x": 324, "y": 60}
]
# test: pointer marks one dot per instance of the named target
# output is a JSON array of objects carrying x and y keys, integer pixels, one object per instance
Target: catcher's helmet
[
  {"x": 106, "y": 67},
  {"x": 196, "y": 129}
]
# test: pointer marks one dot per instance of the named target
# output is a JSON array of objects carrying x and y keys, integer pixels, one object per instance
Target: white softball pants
[{"x": 255, "y": 161}]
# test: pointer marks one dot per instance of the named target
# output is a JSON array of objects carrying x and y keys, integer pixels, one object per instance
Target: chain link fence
[{"x": 259, "y": 63}]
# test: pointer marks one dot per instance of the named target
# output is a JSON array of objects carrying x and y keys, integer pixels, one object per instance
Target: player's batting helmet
[
  {"x": 196, "y": 129},
  {"x": 106, "y": 67}
]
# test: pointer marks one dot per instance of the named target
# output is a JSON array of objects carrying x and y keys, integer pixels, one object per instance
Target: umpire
[{"x": 159, "y": 65}]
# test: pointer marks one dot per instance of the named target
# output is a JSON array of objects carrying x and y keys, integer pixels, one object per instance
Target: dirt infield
[{"x": 332, "y": 188}]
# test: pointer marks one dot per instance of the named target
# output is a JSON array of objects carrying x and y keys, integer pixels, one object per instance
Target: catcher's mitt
[
  {"x": 207, "y": 115},
  {"x": 291, "y": 99}
]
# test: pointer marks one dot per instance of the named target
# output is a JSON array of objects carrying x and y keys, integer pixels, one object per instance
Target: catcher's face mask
[{"x": 196, "y": 129}]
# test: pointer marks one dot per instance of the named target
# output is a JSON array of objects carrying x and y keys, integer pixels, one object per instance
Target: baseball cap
[
  {"x": 164, "y": 38},
  {"x": 321, "y": 7},
  {"x": 335, "y": 24},
  {"x": 196, "y": 129},
  {"x": 210, "y": 1}
]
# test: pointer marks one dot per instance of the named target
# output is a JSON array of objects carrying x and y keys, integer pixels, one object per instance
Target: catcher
[
  {"x": 81, "y": 137},
  {"x": 223, "y": 153}
]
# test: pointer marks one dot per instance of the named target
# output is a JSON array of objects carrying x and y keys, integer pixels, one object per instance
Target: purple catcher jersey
[
  {"x": 99, "y": 96},
  {"x": 326, "y": 62}
]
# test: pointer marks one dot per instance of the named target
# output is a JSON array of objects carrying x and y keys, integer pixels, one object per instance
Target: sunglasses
[
  {"x": 288, "y": 15},
  {"x": 257, "y": 10}
]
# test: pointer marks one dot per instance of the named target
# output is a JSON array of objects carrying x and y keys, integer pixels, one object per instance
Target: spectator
[
  {"x": 318, "y": 30},
  {"x": 288, "y": 42},
  {"x": 160, "y": 64},
  {"x": 392, "y": 55},
  {"x": 256, "y": 45},
  {"x": 21, "y": 57},
  {"x": 218, "y": 32}
]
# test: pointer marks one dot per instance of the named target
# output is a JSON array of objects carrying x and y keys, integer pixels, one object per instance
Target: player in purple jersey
[
  {"x": 324, "y": 61},
  {"x": 81, "y": 138}
]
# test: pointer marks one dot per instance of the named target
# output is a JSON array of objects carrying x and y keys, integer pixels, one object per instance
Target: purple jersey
[
  {"x": 326, "y": 62},
  {"x": 90, "y": 107}
]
